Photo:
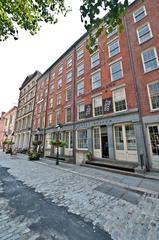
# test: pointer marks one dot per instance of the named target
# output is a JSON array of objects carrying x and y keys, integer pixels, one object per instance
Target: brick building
[
  {"x": 107, "y": 102},
  {"x": 8, "y": 125},
  {"x": 25, "y": 111},
  {"x": 1, "y": 128}
]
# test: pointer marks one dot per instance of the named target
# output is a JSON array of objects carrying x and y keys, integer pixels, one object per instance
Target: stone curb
[{"x": 121, "y": 185}]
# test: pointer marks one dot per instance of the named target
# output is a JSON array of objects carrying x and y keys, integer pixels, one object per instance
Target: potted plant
[
  {"x": 58, "y": 143},
  {"x": 89, "y": 155},
  {"x": 34, "y": 156},
  {"x": 9, "y": 144}
]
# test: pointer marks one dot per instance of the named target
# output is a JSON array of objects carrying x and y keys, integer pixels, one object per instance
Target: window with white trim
[
  {"x": 80, "y": 69},
  {"x": 144, "y": 33},
  {"x": 116, "y": 71},
  {"x": 96, "y": 132},
  {"x": 51, "y": 88},
  {"x": 68, "y": 94},
  {"x": 50, "y": 119},
  {"x": 69, "y": 77},
  {"x": 58, "y": 99},
  {"x": 95, "y": 61},
  {"x": 114, "y": 48},
  {"x": 112, "y": 32},
  {"x": 119, "y": 98},
  {"x": 51, "y": 103},
  {"x": 57, "y": 117},
  {"x": 150, "y": 60},
  {"x": 82, "y": 139},
  {"x": 52, "y": 75},
  {"x": 139, "y": 14},
  {"x": 97, "y": 106},
  {"x": 68, "y": 116},
  {"x": 69, "y": 139},
  {"x": 69, "y": 62},
  {"x": 81, "y": 111},
  {"x": 80, "y": 54},
  {"x": 59, "y": 84},
  {"x": 80, "y": 88},
  {"x": 154, "y": 95},
  {"x": 96, "y": 80},
  {"x": 60, "y": 69}
]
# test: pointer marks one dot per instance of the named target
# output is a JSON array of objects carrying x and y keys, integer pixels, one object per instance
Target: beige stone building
[{"x": 25, "y": 111}]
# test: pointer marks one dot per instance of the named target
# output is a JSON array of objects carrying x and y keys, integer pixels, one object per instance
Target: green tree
[{"x": 29, "y": 14}]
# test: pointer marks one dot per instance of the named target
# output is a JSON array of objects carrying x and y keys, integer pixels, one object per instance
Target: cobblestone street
[{"x": 80, "y": 193}]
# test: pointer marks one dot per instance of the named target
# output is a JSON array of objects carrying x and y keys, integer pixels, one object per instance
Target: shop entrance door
[
  {"x": 105, "y": 148},
  {"x": 153, "y": 132}
]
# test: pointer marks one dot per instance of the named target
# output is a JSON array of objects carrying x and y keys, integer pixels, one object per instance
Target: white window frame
[
  {"x": 69, "y": 62},
  {"x": 115, "y": 31},
  {"x": 110, "y": 43},
  {"x": 77, "y": 139},
  {"x": 69, "y": 76},
  {"x": 148, "y": 90},
  {"x": 139, "y": 28},
  {"x": 78, "y": 72},
  {"x": 67, "y": 115},
  {"x": 67, "y": 89},
  {"x": 135, "y": 21},
  {"x": 98, "y": 60},
  {"x": 93, "y": 74},
  {"x": 59, "y": 85},
  {"x": 79, "y": 82},
  {"x": 156, "y": 55},
  {"x": 58, "y": 99},
  {"x": 60, "y": 69},
  {"x": 78, "y": 107},
  {"x": 57, "y": 112},
  {"x": 113, "y": 91},
  {"x": 98, "y": 96},
  {"x": 121, "y": 70},
  {"x": 80, "y": 56}
]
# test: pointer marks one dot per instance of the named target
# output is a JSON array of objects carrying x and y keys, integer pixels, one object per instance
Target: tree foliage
[
  {"x": 28, "y": 15},
  {"x": 94, "y": 22}
]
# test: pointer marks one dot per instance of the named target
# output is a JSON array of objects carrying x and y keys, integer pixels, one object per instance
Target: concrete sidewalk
[{"x": 136, "y": 184}]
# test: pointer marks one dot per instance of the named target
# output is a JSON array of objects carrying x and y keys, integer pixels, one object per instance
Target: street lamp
[{"x": 58, "y": 127}]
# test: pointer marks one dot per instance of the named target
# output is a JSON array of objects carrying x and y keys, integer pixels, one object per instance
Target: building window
[
  {"x": 60, "y": 69},
  {"x": 59, "y": 84},
  {"x": 45, "y": 93},
  {"x": 69, "y": 139},
  {"x": 53, "y": 76},
  {"x": 116, "y": 71},
  {"x": 111, "y": 33},
  {"x": 69, "y": 77},
  {"x": 139, "y": 14},
  {"x": 119, "y": 138},
  {"x": 51, "y": 102},
  {"x": 80, "y": 54},
  {"x": 96, "y": 132},
  {"x": 119, "y": 100},
  {"x": 50, "y": 120},
  {"x": 97, "y": 106},
  {"x": 154, "y": 95},
  {"x": 95, "y": 61},
  {"x": 96, "y": 80},
  {"x": 44, "y": 106},
  {"x": 144, "y": 33},
  {"x": 80, "y": 69},
  {"x": 57, "y": 117},
  {"x": 150, "y": 59},
  {"x": 69, "y": 62},
  {"x": 51, "y": 88},
  {"x": 81, "y": 111},
  {"x": 68, "y": 113},
  {"x": 58, "y": 100},
  {"x": 43, "y": 122},
  {"x": 80, "y": 88},
  {"x": 68, "y": 94},
  {"x": 82, "y": 140},
  {"x": 114, "y": 48}
]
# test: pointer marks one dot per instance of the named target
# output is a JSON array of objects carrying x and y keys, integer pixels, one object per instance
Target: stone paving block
[
  {"x": 150, "y": 184},
  {"x": 131, "y": 197},
  {"x": 131, "y": 181},
  {"x": 117, "y": 192},
  {"x": 104, "y": 188}
]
